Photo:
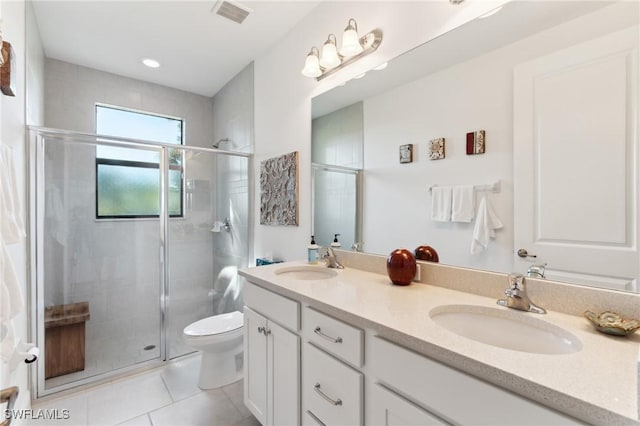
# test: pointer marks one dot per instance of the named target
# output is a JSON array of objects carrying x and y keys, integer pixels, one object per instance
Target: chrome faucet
[
  {"x": 517, "y": 297},
  {"x": 329, "y": 257}
]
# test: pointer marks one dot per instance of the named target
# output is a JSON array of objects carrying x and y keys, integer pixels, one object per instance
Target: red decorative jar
[
  {"x": 427, "y": 253},
  {"x": 401, "y": 267}
]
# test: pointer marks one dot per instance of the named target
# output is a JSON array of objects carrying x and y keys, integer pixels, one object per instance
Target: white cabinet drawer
[
  {"x": 283, "y": 311},
  {"x": 332, "y": 391},
  {"x": 390, "y": 409},
  {"x": 440, "y": 389},
  {"x": 338, "y": 338},
  {"x": 310, "y": 419}
]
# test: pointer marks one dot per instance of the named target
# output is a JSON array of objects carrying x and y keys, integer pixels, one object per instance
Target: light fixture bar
[{"x": 370, "y": 41}]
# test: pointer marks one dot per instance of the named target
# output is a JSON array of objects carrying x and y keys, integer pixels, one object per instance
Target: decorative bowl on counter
[
  {"x": 401, "y": 267},
  {"x": 612, "y": 323},
  {"x": 426, "y": 253}
]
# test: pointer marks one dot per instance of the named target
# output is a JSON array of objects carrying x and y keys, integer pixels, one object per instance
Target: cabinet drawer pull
[
  {"x": 331, "y": 401},
  {"x": 319, "y": 332}
]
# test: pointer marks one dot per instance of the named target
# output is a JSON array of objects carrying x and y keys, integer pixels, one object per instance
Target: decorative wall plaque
[
  {"x": 436, "y": 149},
  {"x": 7, "y": 69},
  {"x": 475, "y": 142},
  {"x": 406, "y": 153},
  {"x": 279, "y": 190}
]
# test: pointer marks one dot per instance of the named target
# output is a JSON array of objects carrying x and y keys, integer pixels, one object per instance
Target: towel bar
[{"x": 494, "y": 187}]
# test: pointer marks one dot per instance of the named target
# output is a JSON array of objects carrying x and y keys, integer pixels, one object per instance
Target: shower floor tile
[{"x": 166, "y": 395}]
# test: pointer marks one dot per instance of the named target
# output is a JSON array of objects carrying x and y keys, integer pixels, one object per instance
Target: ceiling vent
[{"x": 231, "y": 10}]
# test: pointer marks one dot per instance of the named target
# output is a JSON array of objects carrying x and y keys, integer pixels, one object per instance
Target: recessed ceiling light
[
  {"x": 359, "y": 76},
  {"x": 151, "y": 63}
]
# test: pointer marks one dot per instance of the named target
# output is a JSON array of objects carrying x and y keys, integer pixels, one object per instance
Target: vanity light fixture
[{"x": 320, "y": 64}]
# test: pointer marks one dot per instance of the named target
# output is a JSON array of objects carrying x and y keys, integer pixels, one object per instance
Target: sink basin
[
  {"x": 506, "y": 328},
  {"x": 306, "y": 272}
]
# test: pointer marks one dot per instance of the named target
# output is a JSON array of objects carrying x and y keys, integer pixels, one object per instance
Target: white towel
[
  {"x": 441, "y": 203},
  {"x": 462, "y": 200},
  {"x": 12, "y": 302},
  {"x": 486, "y": 224},
  {"x": 11, "y": 225}
]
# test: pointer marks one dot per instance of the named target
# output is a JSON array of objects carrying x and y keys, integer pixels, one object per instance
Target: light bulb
[
  {"x": 311, "y": 64},
  {"x": 350, "y": 41},
  {"x": 329, "y": 57}
]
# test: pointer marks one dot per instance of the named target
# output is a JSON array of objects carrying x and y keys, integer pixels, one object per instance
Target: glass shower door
[
  {"x": 208, "y": 244},
  {"x": 99, "y": 273},
  {"x": 336, "y": 201}
]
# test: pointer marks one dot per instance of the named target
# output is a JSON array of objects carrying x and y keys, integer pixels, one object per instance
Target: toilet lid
[{"x": 217, "y": 324}]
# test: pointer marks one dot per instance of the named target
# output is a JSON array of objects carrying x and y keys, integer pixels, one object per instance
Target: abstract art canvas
[{"x": 279, "y": 190}]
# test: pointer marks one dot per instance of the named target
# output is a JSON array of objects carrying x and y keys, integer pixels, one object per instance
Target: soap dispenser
[
  {"x": 312, "y": 251},
  {"x": 335, "y": 243}
]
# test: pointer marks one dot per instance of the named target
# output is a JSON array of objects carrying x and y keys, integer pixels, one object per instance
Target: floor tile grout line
[
  {"x": 233, "y": 404},
  {"x": 166, "y": 386}
]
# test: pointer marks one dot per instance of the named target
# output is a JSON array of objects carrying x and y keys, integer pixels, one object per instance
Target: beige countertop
[{"x": 598, "y": 384}]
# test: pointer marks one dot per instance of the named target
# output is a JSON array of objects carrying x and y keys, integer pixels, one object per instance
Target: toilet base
[{"x": 220, "y": 368}]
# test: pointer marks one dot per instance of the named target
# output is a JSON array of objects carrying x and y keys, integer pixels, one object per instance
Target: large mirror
[{"x": 554, "y": 87}]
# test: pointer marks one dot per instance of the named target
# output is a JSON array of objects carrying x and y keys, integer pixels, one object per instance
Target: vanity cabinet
[
  {"x": 332, "y": 389},
  {"x": 450, "y": 394},
  {"x": 271, "y": 357},
  {"x": 390, "y": 409},
  {"x": 303, "y": 366}
]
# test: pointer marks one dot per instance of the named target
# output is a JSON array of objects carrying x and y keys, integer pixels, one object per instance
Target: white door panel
[{"x": 576, "y": 161}]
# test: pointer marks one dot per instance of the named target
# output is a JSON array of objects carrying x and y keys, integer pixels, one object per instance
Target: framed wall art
[
  {"x": 279, "y": 190},
  {"x": 406, "y": 153}
]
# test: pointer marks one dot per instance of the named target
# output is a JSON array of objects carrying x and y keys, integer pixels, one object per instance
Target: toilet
[{"x": 220, "y": 339}]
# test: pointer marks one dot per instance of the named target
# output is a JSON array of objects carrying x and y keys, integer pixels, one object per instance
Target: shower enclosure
[{"x": 131, "y": 242}]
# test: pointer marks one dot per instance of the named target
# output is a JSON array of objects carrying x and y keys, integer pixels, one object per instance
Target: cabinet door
[
  {"x": 255, "y": 361},
  {"x": 393, "y": 410},
  {"x": 283, "y": 376}
]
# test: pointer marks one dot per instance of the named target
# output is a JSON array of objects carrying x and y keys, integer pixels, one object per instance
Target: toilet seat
[{"x": 217, "y": 324}]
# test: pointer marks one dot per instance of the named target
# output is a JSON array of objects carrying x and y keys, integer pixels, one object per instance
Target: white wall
[
  {"x": 233, "y": 112},
  {"x": 35, "y": 70},
  {"x": 283, "y": 95},
  {"x": 397, "y": 204},
  {"x": 72, "y": 91},
  {"x": 12, "y": 111}
]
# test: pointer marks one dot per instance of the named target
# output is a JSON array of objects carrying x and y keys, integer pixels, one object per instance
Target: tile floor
[{"x": 168, "y": 395}]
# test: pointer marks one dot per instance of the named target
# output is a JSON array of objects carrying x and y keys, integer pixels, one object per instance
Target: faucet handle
[{"x": 516, "y": 281}]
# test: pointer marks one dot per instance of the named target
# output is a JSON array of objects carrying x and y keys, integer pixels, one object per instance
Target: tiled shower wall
[{"x": 114, "y": 264}]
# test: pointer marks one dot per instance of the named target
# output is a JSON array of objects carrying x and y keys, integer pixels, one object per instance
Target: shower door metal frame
[{"x": 37, "y": 137}]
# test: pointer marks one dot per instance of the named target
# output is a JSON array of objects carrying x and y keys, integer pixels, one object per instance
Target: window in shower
[{"x": 128, "y": 180}]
